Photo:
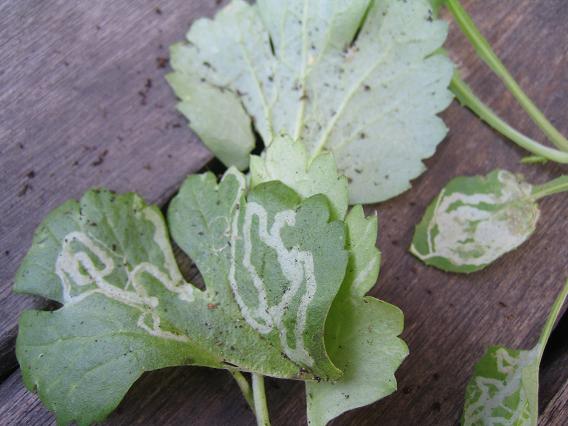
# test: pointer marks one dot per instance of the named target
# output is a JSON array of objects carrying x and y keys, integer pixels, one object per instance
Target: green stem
[
  {"x": 483, "y": 49},
  {"x": 549, "y": 325},
  {"x": 467, "y": 98},
  {"x": 533, "y": 159},
  {"x": 560, "y": 184},
  {"x": 261, "y": 409},
  {"x": 244, "y": 386}
]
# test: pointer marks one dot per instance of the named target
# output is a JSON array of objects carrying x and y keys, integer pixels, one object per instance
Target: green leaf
[
  {"x": 361, "y": 333},
  {"x": 361, "y": 79},
  {"x": 499, "y": 391},
  {"x": 275, "y": 260},
  {"x": 109, "y": 262},
  {"x": 504, "y": 387},
  {"x": 475, "y": 220},
  {"x": 271, "y": 262},
  {"x": 286, "y": 161}
]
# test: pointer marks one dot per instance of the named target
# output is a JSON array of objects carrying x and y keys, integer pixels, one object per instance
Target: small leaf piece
[
  {"x": 272, "y": 265},
  {"x": 500, "y": 389},
  {"x": 475, "y": 220},
  {"x": 362, "y": 79},
  {"x": 361, "y": 333},
  {"x": 504, "y": 387}
]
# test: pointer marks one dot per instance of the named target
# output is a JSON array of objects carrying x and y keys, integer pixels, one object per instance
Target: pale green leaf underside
[
  {"x": 361, "y": 333},
  {"x": 218, "y": 119},
  {"x": 294, "y": 69},
  {"x": 474, "y": 221},
  {"x": 504, "y": 387},
  {"x": 127, "y": 309}
]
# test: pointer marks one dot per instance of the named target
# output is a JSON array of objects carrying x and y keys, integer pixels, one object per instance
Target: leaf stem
[
  {"x": 467, "y": 98},
  {"x": 244, "y": 386},
  {"x": 549, "y": 325},
  {"x": 486, "y": 53},
  {"x": 560, "y": 184},
  {"x": 533, "y": 159},
  {"x": 261, "y": 409}
]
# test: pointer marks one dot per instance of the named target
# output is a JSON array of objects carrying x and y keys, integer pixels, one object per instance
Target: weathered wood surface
[
  {"x": 56, "y": 110},
  {"x": 555, "y": 413}
]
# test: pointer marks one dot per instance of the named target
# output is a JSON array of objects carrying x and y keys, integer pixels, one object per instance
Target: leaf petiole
[
  {"x": 244, "y": 386},
  {"x": 554, "y": 312},
  {"x": 560, "y": 184},
  {"x": 486, "y": 53},
  {"x": 261, "y": 408},
  {"x": 533, "y": 159},
  {"x": 468, "y": 99}
]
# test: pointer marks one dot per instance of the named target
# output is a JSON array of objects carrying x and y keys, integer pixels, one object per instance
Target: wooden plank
[
  {"x": 84, "y": 103},
  {"x": 450, "y": 319},
  {"x": 21, "y": 409}
]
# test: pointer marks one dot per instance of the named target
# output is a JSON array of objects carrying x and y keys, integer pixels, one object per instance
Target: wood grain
[
  {"x": 555, "y": 413},
  {"x": 450, "y": 319}
]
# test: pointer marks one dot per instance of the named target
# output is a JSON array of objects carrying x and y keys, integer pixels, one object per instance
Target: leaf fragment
[
  {"x": 474, "y": 221},
  {"x": 504, "y": 387}
]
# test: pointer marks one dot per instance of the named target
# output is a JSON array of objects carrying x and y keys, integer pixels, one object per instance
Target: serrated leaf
[
  {"x": 358, "y": 78},
  {"x": 361, "y": 333},
  {"x": 275, "y": 259},
  {"x": 127, "y": 309},
  {"x": 504, "y": 387},
  {"x": 474, "y": 221},
  {"x": 287, "y": 161},
  {"x": 108, "y": 261}
]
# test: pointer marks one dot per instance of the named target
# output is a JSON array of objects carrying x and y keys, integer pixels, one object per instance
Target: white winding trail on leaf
[
  {"x": 463, "y": 227},
  {"x": 77, "y": 269},
  {"x": 297, "y": 267},
  {"x": 174, "y": 282},
  {"x": 494, "y": 392}
]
